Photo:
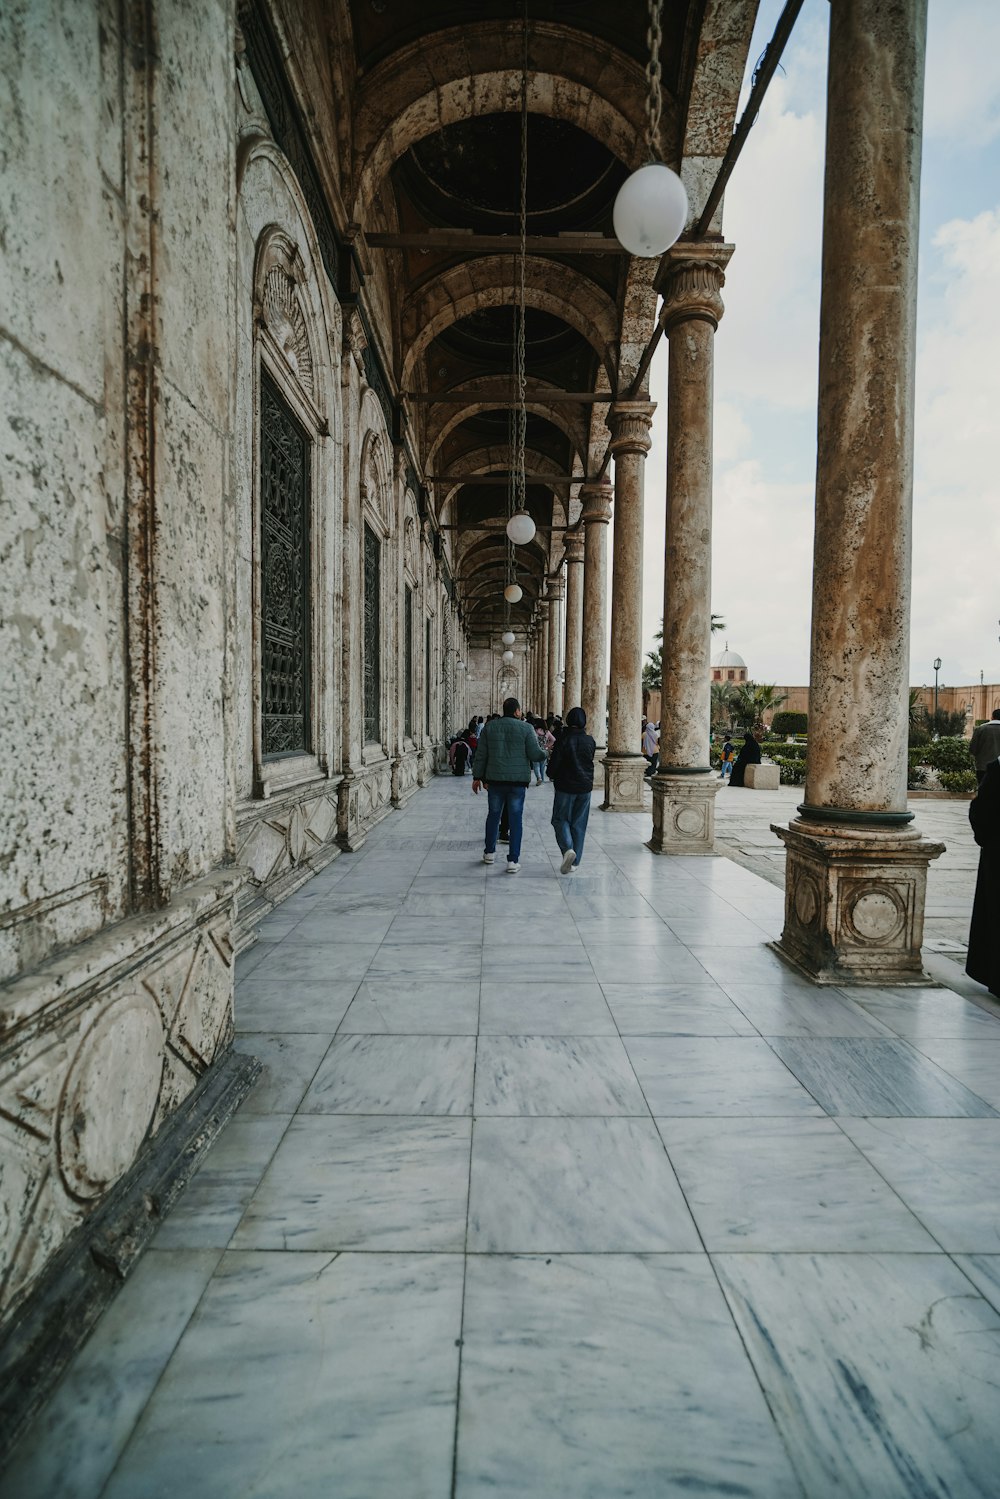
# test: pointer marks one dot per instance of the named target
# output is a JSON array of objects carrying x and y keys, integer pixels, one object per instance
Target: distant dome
[{"x": 728, "y": 658}]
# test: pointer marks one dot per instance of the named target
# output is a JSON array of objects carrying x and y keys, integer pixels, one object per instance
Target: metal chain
[
  {"x": 522, "y": 416},
  {"x": 654, "y": 75}
]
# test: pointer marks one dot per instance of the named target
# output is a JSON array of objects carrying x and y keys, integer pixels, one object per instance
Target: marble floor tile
[
  {"x": 392, "y": 1074},
  {"x": 333, "y": 927},
  {"x": 855, "y": 1076},
  {"x": 598, "y": 1376},
  {"x": 984, "y": 1272},
  {"x": 715, "y": 1076},
  {"x": 265, "y": 1003},
  {"x": 209, "y": 1209},
  {"x": 441, "y": 930},
  {"x": 669, "y": 963},
  {"x": 288, "y": 1065},
  {"x": 930, "y": 1013},
  {"x": 294, "y": 959},
  {"x": 462, "y": 905},
  {"x": 881, "y": 1370},
  {"x": 974, "y": 1062},
  {"x": 456, "y": 962},
  {"x": 382, "y": 1007},
  {"x": 749, "y": 965},
  {"x": 558, "y": 1186},
  {"x": 74, "y": 1443},
  {"x": 544, "y": 967},
  {"x": 675, "y": 1010},
  {"x": 793, "y": 1012},
  {"x": 717, "y": 931},
  {"x": 555, "y": 1075},
  {"x": 339, "y": 1375},
  {"x": 252, "y": 957},
  {"x": 531, "y": 1008},
  {"x": 791, "y": 1185},
  {"x": 530, "y": 928},
  {"x": 373, "y": 1183},
  {"x": 947, "y": 1171}
]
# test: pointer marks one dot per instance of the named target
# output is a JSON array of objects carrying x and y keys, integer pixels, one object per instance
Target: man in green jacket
[{"x": 506, "y": 751}]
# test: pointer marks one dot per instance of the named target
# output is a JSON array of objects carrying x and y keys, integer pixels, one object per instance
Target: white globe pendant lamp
[
  {"x": 508, "y": 637},
  {"x": 512, "y": 593},
  {"x": 650, "y": 210},
  {"x": 507, "y": 656},
  {"x": 521, "y": 528}
]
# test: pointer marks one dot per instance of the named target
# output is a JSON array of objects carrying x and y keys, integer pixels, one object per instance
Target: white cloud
[{"x": 962, "y": 85}]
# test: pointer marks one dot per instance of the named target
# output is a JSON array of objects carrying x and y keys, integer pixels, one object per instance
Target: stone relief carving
[{"x": 286, "y": 323}]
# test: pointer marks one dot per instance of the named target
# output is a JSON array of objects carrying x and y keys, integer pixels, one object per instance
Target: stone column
[
  {"x": 593, "y": 684},
  {"x": 684, "y": 787},
  {"x": 856, "y": 872},
  {"x": 624, "y": 765},
  {"x": 574, "y": 619},
  {"x": 540, "y": 704},
  {"x": 554, "y": 704}
]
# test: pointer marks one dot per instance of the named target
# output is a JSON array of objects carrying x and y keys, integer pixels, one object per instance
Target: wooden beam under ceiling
[
  {"x": 498, "y": 397},
  {"x": 492, "y": 244}
]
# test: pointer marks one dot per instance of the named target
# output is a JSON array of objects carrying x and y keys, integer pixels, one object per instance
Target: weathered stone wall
[{"x": 116, "y": 283}]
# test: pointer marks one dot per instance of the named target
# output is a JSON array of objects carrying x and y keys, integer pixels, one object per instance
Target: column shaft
[
  {"x": 856, "y": 874},
  {"x": 574, "y": 619},
  {"x": 554, "y": 694},
  {"x": 624, "y": 766},
  {"x": 596, "y": 515}
]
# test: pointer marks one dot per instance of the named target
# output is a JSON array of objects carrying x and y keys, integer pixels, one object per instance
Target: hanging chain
[
  {"x": 522, "y": 416},
  {"x": 654, "y": 75}
]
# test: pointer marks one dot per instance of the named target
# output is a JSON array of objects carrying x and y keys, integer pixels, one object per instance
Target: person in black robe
[
  {"x": 748, "y": 755},
  {"x": 983, "y": 963}
]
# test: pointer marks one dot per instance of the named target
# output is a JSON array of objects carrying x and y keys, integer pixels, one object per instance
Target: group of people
[{"x": 511, "y": 751}]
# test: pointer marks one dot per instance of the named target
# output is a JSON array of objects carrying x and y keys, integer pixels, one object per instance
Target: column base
[
  {"x": 854, "y": 902},
  {"x": 623, "y": 783},
  {"x": 683, "y": 814}
]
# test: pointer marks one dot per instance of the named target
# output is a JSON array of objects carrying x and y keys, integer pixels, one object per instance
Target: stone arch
[
  {"x": 430, "y": 84},
  {"x": 375, "y": 468},
  {"x": 487, "y": 282},
  {"x": 445, "y": 420}
]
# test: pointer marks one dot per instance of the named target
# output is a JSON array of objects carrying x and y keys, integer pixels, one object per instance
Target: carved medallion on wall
[
  {"x": 110, "y": 1096},
  {"x": 690, "y": 822},
  {"x": 875, "y": 914},
  {"x": 806, "y": 900},
  {"x": 286, "y": 324}
]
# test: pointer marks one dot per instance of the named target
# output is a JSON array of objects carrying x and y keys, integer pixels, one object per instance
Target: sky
[{"x": 766, "y": 364}]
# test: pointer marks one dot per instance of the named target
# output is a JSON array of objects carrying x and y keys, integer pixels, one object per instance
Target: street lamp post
[{"x": 937, "y": 668}]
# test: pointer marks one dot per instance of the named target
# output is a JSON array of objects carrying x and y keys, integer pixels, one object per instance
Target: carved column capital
[
  {"x": 574, "y": 546},
  {"x": 556, "y": 587},
  {"x": 597, "y": 503},
  {"x": 630, "y": 422},
  {"x": 693, "y": 282}
]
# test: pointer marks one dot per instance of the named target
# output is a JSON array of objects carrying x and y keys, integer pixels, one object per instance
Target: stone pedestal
[
  {"x": 684, "y": 814},
  {"x": 624, "y": 780},
  {"x": 762, "y": 777},
  {"x": 854, "y": 903}
]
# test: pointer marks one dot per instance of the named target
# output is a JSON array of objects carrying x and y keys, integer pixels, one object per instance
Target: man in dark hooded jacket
[
  {"x": 983, "y": 962},
  {"x": 571, "y": 771}
]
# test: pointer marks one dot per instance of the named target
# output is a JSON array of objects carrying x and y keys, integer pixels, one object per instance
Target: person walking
[
  {"x": 728, "y": 755},
  {"x": 571, "y": 771},
  {"x": 983, "y": 962},
  {"x": 507, "y": 749},
  {"x": 650, "y": 746},
  {"x": 984, "y": 745}
]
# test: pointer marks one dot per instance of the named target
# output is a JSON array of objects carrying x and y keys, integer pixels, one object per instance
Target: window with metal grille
[
  {"x": 407, "y": 661},
  {"x": 284, "y": 576},
  {"x": 427, "y": 681},
  {"x": 372, "y": 649}
]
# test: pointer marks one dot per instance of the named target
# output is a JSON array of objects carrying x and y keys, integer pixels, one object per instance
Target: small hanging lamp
[{"x": 651, "y": 208}]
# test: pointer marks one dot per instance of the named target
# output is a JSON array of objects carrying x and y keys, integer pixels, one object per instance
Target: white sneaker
[
  {"x": 568, "y": 860},
  {"x": 512, "y": 868},
  {"x": 488, "y": 858}
]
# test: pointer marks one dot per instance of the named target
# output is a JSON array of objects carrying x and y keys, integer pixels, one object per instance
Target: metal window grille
[
  {"x": 372, "y": 647},
  {"x": 407, "y": 661},
  {"x": 284, "y": 563},
  {"x": 427, "y": 682}
]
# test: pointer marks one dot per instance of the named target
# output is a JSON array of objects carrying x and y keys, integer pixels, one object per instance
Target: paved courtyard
[{"x": 567, "y": 1188}]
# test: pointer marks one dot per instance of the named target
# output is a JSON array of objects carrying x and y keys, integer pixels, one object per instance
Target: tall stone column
[
  {"x": 540, "y": 704},
  {"x": 856, "y": 872},
  {"x": 624, "y": 765},
  {"x": 554, "y": 704},
  {"x": 684, "y": 787},
  {"x": 593, "y": 686},
  {"x": 574, "y": 619}
]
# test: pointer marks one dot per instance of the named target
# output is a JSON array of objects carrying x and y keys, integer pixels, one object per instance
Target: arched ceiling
[{"x": 434, "y": 180}]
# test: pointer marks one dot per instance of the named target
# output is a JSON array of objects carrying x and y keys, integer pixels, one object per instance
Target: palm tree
[
  {"x": 722, "y": 705},
  {"x": 752, "y": 700}
]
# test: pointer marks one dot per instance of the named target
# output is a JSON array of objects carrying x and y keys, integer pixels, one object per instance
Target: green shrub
[
  {"x": 793, "y": 771},
  {"x": 919, "y": 735},
  {"x": 795, "y": 750},
  {"x": 787, "y": 722},
  {"x": 958, "y": 780},
  {"x": 948, "y": 754},
  {"x": 916, "y": 776}
]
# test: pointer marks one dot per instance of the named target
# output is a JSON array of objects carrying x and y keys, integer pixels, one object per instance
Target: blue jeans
[
  {"x": 570, "y": 812},
  {"x": 507, "y": 794}
]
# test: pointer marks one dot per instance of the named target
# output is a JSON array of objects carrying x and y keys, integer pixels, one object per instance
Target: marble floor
[{"x": 562, "y": 1188}]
